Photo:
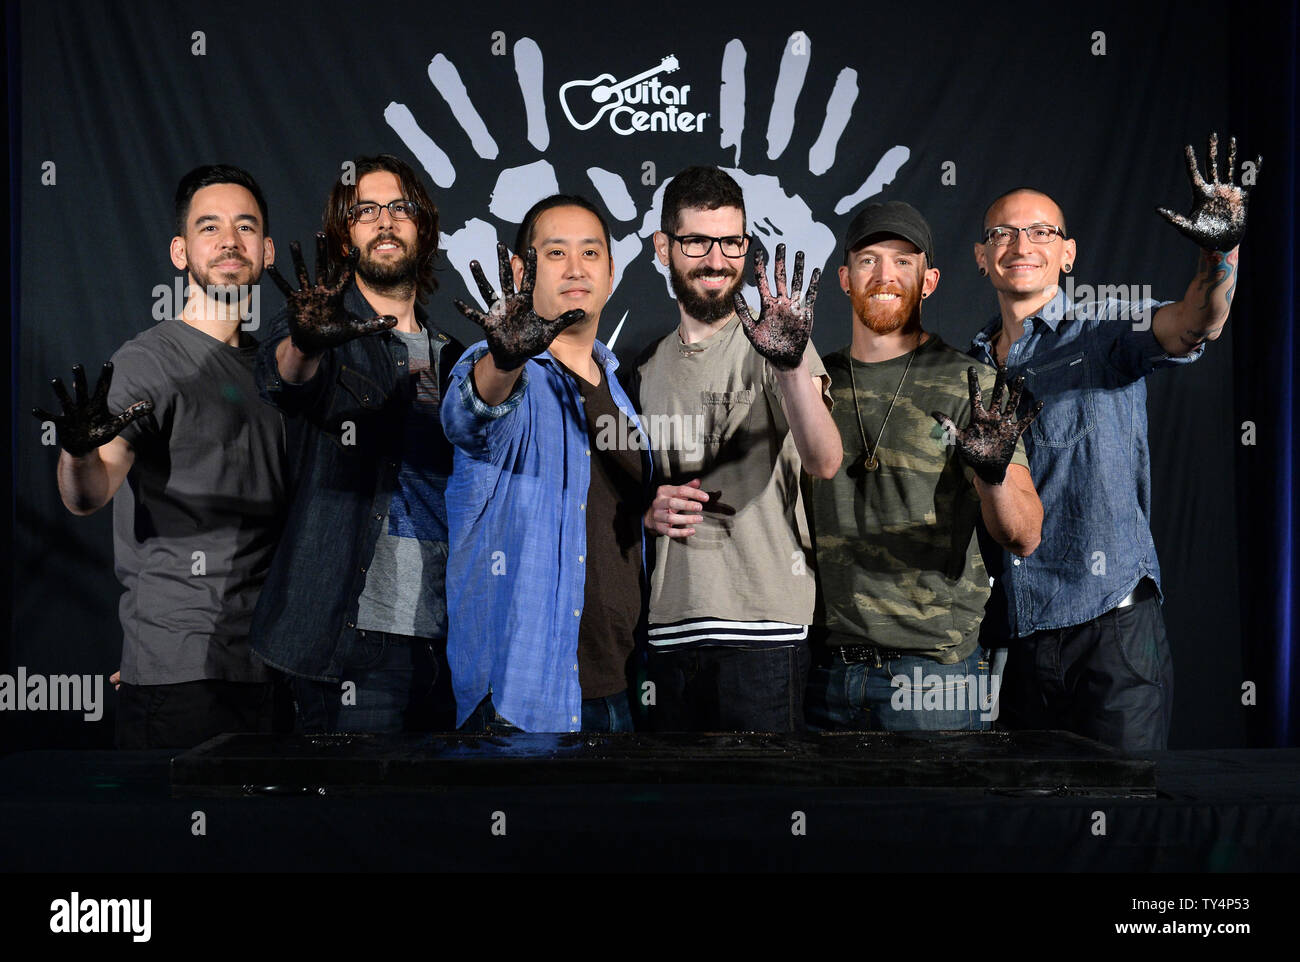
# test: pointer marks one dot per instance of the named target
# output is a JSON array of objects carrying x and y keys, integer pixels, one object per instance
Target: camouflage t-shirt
[{"x": 897, "y": 560}]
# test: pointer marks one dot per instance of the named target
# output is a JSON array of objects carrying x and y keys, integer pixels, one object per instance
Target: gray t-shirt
[
  {"x": 405, "y": 589},
  {"x": 197, "y": 519},
  {"x": 714, "y": 411}
]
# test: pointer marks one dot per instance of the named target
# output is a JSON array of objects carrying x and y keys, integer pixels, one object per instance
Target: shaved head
[{"x": 997, "y": 202}]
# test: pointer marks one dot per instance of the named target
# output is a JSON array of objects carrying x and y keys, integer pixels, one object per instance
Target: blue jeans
[
  {"x": 907, "y": 693},
  {"x": 613, "y": 713},
  {"x": 388, "y": 683}
]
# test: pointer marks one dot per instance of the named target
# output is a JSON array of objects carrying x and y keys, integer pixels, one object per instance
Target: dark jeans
[
  {"x": 189, "y": 713},
  {"x": 389, "y": 683},
  {"x": 1110, "y": 679},
  {"x": 903, "y": 693},
  {"x": 612, "y": 713},
  {"x": 716, "y": 688}
]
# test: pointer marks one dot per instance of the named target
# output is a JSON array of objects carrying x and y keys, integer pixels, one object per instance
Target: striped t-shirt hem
[{"x": 696, "y": 632}]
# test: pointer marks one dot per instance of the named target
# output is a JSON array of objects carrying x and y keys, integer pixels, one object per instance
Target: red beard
[{"x": 886, "y": 318}]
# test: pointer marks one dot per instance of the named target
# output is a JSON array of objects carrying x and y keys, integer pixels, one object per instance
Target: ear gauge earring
[
  {"x": 1067, "y": 267},
  {"x": 983, "y": 272}
]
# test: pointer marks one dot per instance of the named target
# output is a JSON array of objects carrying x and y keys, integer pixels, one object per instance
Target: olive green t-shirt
[{"x": 897, "y": 558}]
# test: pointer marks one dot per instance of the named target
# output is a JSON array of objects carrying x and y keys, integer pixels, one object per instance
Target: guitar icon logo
[{"x": 605, "y": 92}]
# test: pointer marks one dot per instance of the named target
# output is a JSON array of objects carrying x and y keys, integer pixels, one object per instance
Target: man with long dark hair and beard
[
  {"x": 736, "y": 408},
  {"x": 355, "y": 607},
  {"x": 903, "y": 585}
]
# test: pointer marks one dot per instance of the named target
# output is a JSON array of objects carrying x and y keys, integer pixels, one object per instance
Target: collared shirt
[
  {"x": 516, "y": 518},
  {"x": 347, "y": 430},
  {"x": 1088, "y": 456}
]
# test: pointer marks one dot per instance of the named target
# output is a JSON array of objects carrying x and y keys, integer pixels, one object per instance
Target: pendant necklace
[{"x": 869, "y": 460}]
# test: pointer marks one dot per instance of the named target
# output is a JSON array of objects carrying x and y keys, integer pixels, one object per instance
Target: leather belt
[
  {"x": 1146, "y": 588},
  {"x": 860, "y": 654}
]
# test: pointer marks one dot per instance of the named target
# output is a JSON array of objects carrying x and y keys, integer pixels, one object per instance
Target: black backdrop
[{"x": 952, "y": 107}]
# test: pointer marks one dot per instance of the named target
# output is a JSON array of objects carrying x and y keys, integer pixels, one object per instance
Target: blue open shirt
[
  {"x": 517, "y": 527},
  {"x": 1088, "y": 456}
]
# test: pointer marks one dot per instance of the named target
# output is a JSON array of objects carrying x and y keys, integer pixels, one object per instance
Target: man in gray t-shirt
[{"x": 196, "y": 520}]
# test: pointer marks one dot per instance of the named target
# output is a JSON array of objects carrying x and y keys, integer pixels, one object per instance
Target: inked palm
[
  {"x": 86, "y": 422},
  {"x": 1217, "y": 220},
  {"x": 989, "y": 441},
  {"x": 318, "y": 320},
  {"x": 514, "y": 331},
  {"x": 784, "y": 322}
]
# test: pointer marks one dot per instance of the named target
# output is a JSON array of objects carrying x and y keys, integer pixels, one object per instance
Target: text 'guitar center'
[{"x": 639, "y": 103}]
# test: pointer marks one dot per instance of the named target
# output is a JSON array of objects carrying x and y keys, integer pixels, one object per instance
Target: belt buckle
[
  {"x": 1139, "y": 593},
  {"x": 862, "y": 655}
]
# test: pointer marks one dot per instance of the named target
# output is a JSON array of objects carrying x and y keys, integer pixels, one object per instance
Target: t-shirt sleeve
[
  {"x": 818, "y": 370},
  {"x": 1019, "y": 457},
  {"x": 815, "y": 367},
  {"x": 138, "y": 375}
]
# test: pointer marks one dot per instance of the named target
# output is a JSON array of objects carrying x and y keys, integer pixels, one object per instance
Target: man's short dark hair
[
  {"x": 706, "y": 188},
  {"x": 210, "y": 174},
  {"x": 1023, "y": 190},
  {"x": 524, "y": 238},
  {"x": 343, "y": 196}
]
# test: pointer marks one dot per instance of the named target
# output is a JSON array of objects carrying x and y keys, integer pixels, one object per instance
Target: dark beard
[
  {"x": 905, "y": 314},
  {"x": 208, "y": 279},
  {"x": 396, "y": 279},
  {"x": 706, "y": 308}
]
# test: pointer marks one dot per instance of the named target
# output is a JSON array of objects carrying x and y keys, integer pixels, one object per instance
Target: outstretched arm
[
  {"x": 94, "y": 460},
  {"x": 1216, "y": 224},
  {"x": 781, "y": 334},
  {"x": 1012, "y": 511}
]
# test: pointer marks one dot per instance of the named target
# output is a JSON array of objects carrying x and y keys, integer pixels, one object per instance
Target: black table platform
[
  {"x": 366, "y": 764},
  {"x": 82, "y": 811}
]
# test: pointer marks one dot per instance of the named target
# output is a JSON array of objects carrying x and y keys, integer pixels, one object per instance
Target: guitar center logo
[{"x": 642, "y": 103}]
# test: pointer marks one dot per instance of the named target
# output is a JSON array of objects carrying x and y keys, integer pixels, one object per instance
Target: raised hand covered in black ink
[
  {"x": 513, "y": 329},
  {"x": 784, "y": 323},
  {"x": 1217, "y": 220},
  {"x": 317, "y": 319},
  {"x": 86, "y": 422},
  {"x": 989, "y": 440}
]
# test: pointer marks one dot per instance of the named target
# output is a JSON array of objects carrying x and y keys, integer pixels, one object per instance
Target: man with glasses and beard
[
  {"x": 355, "y": 605},
  {"x": 736, "y": 407},
  {"x": 903, "y": 584}
]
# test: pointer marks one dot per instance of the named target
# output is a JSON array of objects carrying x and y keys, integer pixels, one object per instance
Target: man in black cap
[{"x": 903, "y": 585}]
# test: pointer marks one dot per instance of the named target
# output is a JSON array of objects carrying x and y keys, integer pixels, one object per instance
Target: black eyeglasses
[
  {"x": 1005, "y": 234},
  {"x": 698, "y": 245},
  {"x": 367, "y": 212}
]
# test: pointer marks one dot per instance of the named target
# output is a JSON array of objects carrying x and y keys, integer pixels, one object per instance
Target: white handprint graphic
[{"x": 776, "y": 214}]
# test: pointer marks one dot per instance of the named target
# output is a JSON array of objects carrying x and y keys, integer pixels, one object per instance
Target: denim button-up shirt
[
  {"x": 346, "y": 431},
  {"x": 1088, "y": 456},
  {"x": 516, "y": 569}
]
